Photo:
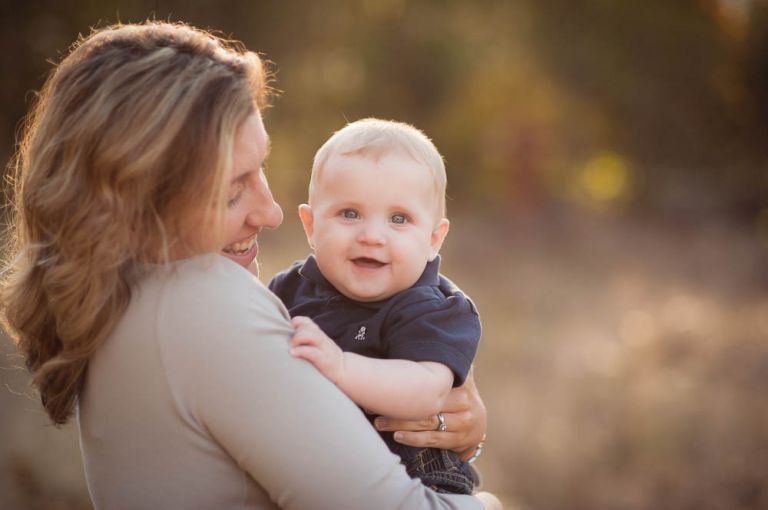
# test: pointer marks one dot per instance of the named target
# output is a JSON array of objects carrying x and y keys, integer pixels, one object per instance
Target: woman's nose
[
  {"x": 265, "y": 212},
  {"x": 270, "y": 215}
]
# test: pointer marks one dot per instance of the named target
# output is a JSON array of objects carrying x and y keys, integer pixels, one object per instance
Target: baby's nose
[{"x": 372, "y": 233}]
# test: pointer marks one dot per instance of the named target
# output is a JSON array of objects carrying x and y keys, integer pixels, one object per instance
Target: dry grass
[{"x": 624, "y": 367}]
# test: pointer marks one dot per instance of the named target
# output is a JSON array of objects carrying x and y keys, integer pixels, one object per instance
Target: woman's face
[{"x": 250, "y": 206}]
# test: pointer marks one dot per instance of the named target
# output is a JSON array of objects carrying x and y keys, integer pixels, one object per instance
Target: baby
[{"x": 370, "y": 308}]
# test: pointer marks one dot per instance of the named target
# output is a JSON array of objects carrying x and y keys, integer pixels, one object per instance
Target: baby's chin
[{"x": 369, "y": 297}]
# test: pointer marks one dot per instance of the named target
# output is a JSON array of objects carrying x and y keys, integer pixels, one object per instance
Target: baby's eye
[
  {"x": 350, "y": 214},
  {"x": 400, "y": 219},
  {"x": 237, "y": 192}
]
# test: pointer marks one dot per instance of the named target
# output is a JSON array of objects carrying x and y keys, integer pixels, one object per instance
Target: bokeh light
[{"x": 606, "y": 177}]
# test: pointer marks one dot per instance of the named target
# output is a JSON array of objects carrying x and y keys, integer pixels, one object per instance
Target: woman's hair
[
  {"x": 125, "y": 151},
  {"x": 375, "y": 138}
]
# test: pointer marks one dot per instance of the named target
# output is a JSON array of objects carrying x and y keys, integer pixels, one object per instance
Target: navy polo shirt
[{"x": 430, "y": 321}]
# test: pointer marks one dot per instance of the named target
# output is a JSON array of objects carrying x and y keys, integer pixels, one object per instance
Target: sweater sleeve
[{"x": 304, "y": 442}]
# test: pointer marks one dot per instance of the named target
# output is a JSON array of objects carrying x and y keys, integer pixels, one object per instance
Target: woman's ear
[
  {"x": 308, "y": 221},
  {"x": 438, "y": 236}
]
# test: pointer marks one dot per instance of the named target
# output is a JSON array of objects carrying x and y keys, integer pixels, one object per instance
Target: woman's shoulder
[
  {"x": 211, "y": 269},
  {"x": 210, "y": 293},
  {"x": 209, "y": 312},
  {"x": 211, "y": 281}
]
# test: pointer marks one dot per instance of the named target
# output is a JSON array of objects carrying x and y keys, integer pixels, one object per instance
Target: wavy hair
[{"x": 129, "y": 139}]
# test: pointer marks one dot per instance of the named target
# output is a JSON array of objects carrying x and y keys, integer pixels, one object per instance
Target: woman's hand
[{"x": 465, "y": 423}]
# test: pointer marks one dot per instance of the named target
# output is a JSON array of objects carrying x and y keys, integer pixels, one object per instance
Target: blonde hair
[
  {"x": 376, "y": 138},
  {"x": 129, "y": 139}
]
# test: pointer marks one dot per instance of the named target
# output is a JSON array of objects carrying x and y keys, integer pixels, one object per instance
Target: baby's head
[{"x": 376, "y": 212}]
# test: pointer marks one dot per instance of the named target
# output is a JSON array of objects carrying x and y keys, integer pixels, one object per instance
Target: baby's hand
[{"x": 310, "y": 343}]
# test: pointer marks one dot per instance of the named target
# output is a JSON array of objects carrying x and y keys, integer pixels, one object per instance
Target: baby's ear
[
  {"x": 438, "y": 236},
  {"x": 308, "y": 221}
]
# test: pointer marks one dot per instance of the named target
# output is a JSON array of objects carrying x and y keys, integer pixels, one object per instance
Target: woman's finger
[
  {"x": 384, "y": 423},
  {"x": 455, "y": 426},
  {"x": 454, "y": 421},
  {"x": 428, "y": 439}
]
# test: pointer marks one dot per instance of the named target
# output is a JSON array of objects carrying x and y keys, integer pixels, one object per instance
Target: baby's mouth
[
  {"x": 368, "y": 262},
  {"x": 241, "y": 247}
]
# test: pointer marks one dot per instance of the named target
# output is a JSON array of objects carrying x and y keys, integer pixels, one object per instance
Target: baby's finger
[
  {"x": 298, "y": 340},
  {"x": 307, "y": 352},
  {"x": 303, "y": 337},
  {"x": 300, "y": 320}
]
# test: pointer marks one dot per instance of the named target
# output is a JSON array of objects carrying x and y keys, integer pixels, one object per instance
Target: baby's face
[{"x": 374, "y": 224}]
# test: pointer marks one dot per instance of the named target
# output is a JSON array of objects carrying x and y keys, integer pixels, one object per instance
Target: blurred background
[{"x": 608, "y": 193}]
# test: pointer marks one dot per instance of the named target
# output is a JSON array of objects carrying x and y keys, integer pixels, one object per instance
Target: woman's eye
[
  {"x": 399, "y": 219},
  {"x": 350, "y": 214},
  {"x": 237, "y": 192}
]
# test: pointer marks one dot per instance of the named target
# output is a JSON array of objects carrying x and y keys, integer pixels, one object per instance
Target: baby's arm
[{"x": 392, "y": 387}]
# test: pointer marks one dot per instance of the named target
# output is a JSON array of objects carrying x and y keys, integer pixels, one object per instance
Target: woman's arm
[
  {"x": 465, "y": 419},
  {"x": 285, "y": 424}
]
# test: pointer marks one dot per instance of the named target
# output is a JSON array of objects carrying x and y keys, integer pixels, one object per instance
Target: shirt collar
[
  {"x": 311, "y": 271},
  {"x": 431, "y": 275}
]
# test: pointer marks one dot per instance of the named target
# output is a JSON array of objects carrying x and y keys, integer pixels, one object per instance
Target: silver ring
[{"x": 441, "y": 423}]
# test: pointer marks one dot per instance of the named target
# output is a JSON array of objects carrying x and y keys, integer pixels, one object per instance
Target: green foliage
[{"x": 519, "y": 96}]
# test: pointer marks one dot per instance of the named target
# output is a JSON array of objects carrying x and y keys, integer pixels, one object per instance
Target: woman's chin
[{"x": 253, "y": 268}]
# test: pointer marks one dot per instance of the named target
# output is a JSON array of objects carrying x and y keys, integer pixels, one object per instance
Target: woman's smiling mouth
[{"x": 240, "y": 248}]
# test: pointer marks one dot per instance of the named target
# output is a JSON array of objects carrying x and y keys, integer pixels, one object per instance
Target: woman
[{"x": 140, "y": 167}]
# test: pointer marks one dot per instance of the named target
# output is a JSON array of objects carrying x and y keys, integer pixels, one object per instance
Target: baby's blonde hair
[
  {"x": 130, "y": 138},
  {"x": 376, "y": 138}
]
